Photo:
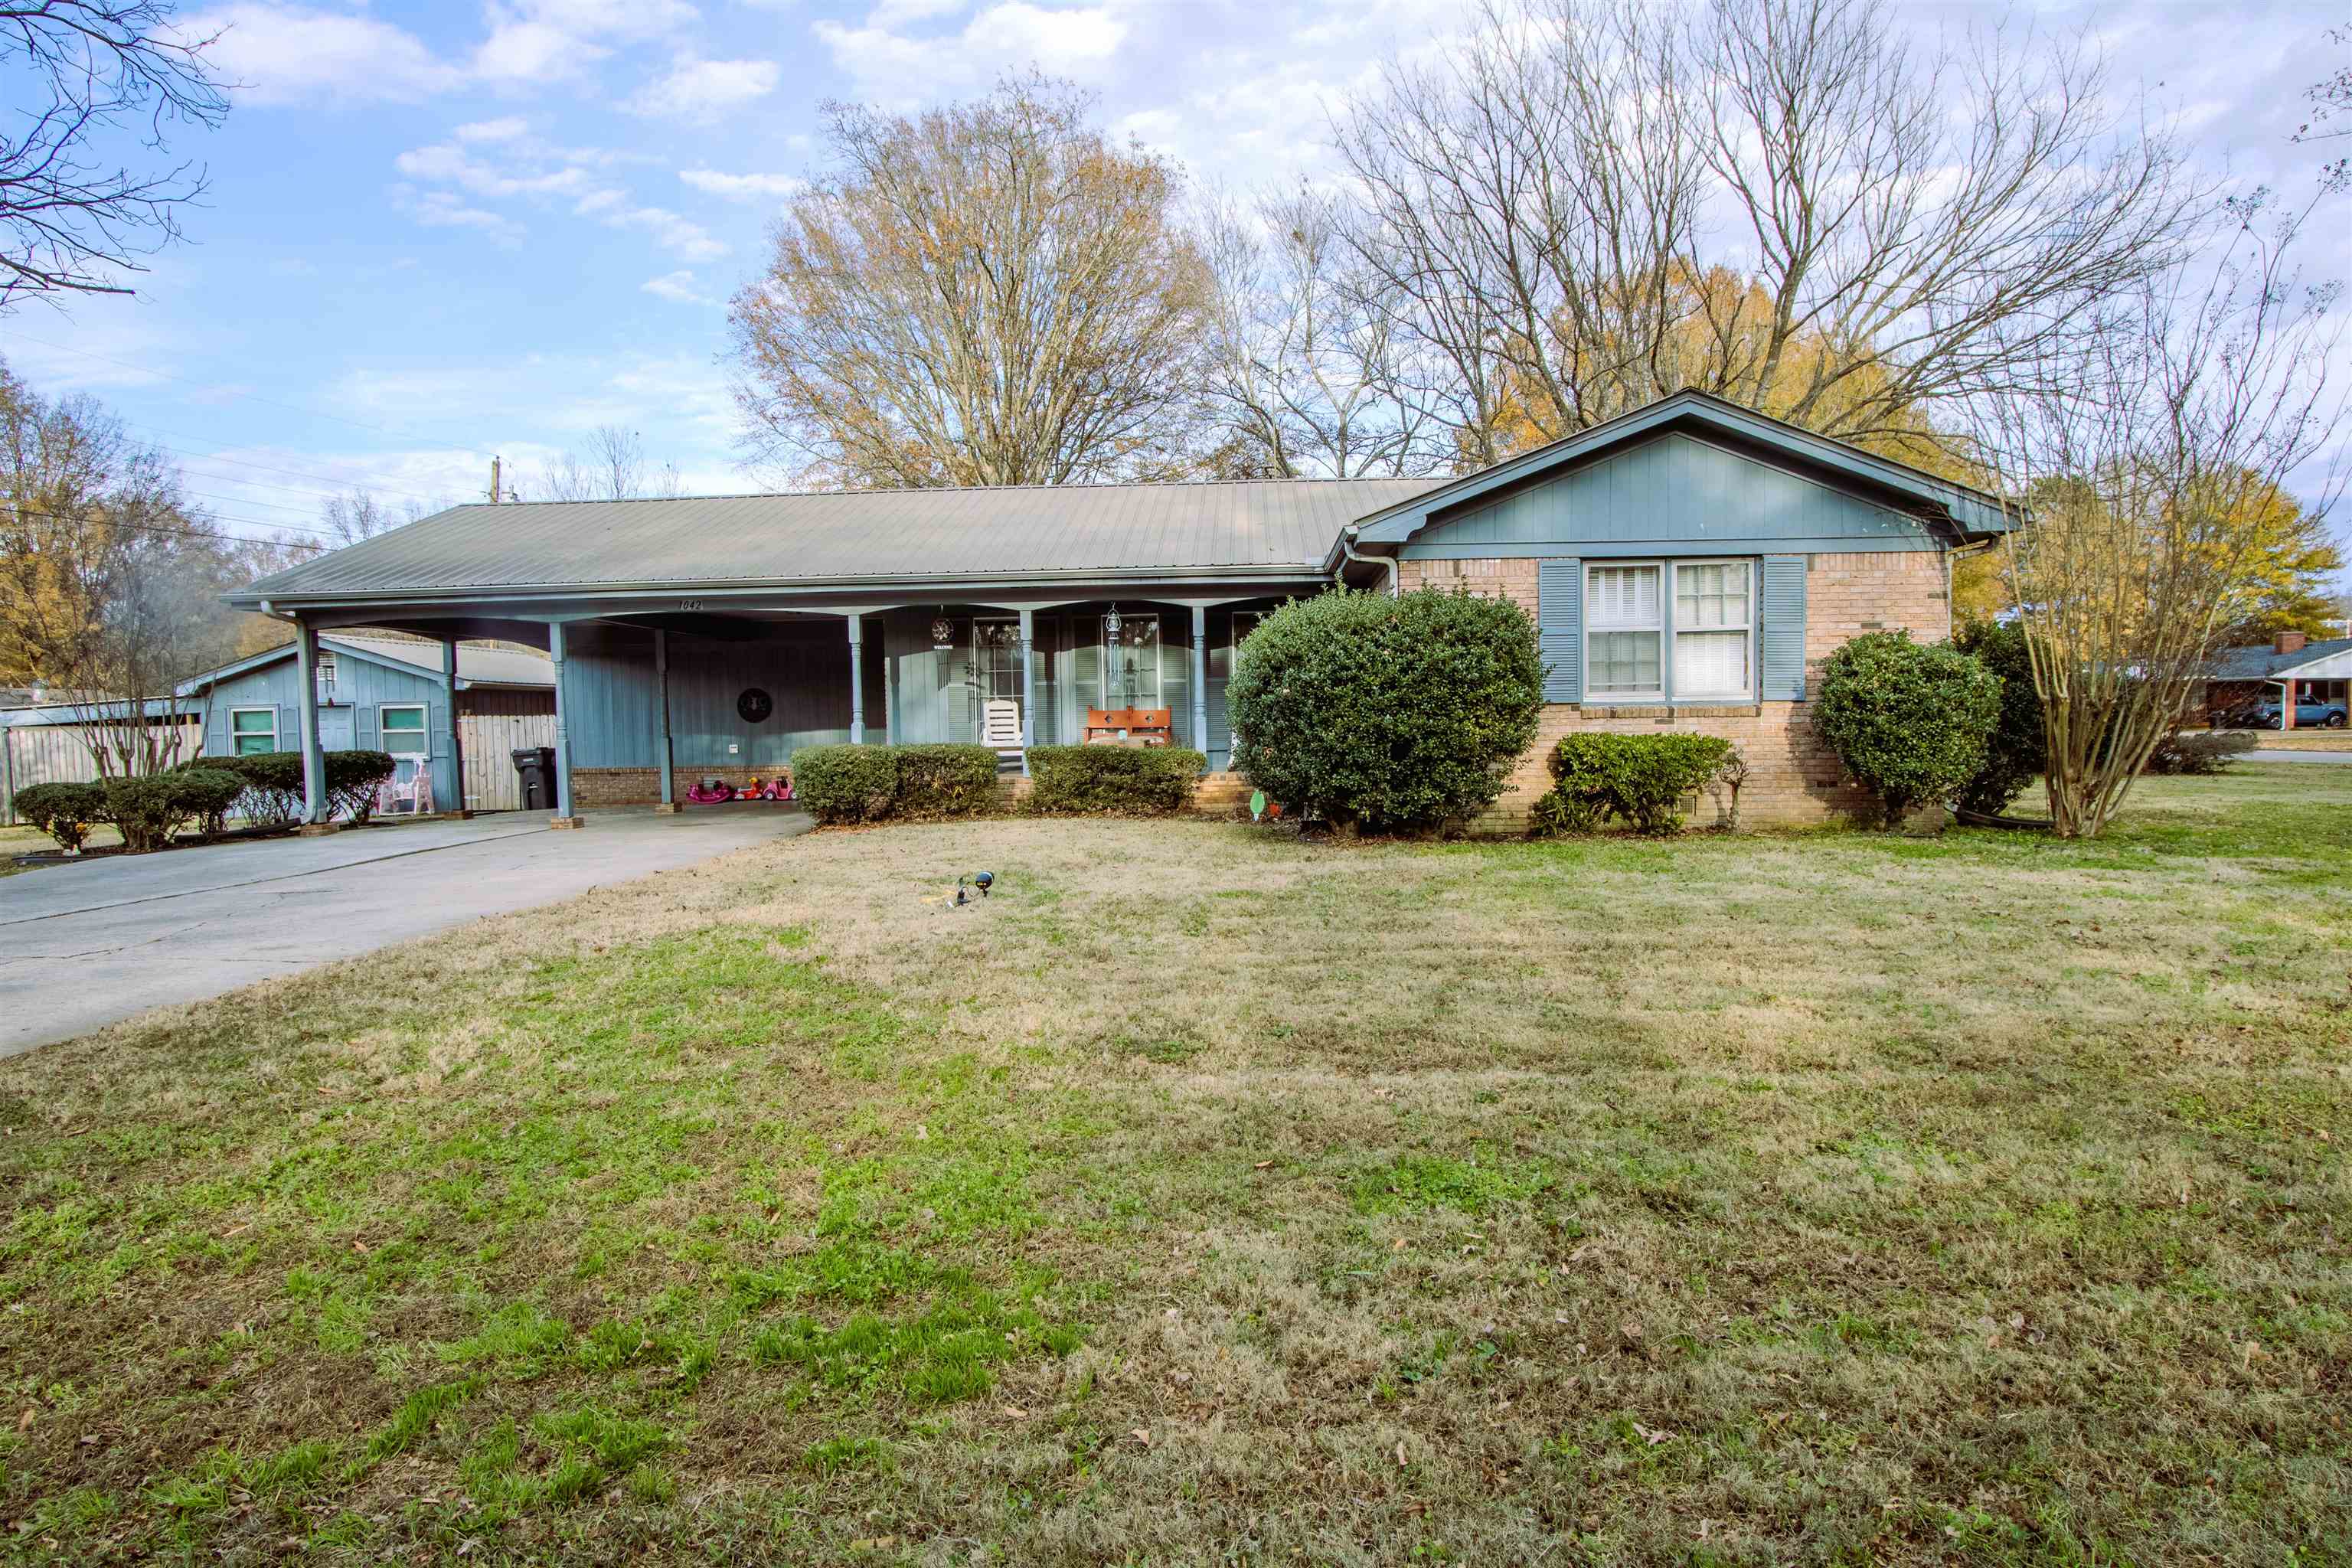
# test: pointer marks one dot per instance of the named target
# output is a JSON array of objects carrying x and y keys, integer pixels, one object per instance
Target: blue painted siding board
[
  {"x": 611, "y": 696},
  {"x": 363, "y": 689},
  {"x": 1674, "y": 489}
]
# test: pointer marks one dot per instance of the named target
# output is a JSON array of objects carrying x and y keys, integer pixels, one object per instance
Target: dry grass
[{"x": 1207, "y": 1197}]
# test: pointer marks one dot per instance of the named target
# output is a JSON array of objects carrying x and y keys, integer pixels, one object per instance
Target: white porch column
[
  {"x": 1201, "y": 680},
  {"x": 857, "y": 680},
  {"x": 1028, "y": 688},
  {"x": 456, "y": 730},
  {"x": 314, "y": 760},
  {"x": 563, "y": 818}
]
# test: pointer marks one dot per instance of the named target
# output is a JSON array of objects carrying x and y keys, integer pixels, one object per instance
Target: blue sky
[{"x": 436, "y": 232}]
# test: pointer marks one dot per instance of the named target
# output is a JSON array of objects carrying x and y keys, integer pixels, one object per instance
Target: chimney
[{"x": 2288, "y": 642}]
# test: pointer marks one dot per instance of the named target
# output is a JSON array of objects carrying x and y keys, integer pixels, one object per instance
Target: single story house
[
  {"x": 389, "y": 693},
  {"x": 1688, "y": 565},
  {"x": 2289, "y": 669}
]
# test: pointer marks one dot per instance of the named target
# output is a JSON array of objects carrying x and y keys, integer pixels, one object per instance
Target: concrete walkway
[
  {"x": 84, "y": 945},
  {"x": 2281, "y": 754}
]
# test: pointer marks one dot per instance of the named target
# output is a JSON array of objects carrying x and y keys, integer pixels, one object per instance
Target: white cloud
[
  {"x": 680, "y": 236},
  {"x": 681, "y": 287},
  {"x": 447, "y": 164},
  {"x": 701, "y": 89},
  {"x": 447, "y": 209},
  {"x": 743, "y": 187},
  {"x": 511, "y": 128},
  {"x": 1077, "y": 41},
  {"x": 282, "y": 54}
]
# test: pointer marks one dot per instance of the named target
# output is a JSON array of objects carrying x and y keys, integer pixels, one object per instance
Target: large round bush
[
  {"x": 1909, "y": 722},
  {"x": 2013, "y": 753},
  {"x": 1394, "y": 714}
]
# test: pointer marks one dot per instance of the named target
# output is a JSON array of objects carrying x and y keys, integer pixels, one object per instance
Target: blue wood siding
[
  {"x": 1672, "y": 491},
  {"x": 361, "y": 691},
  {"x": 934, "y": 699},
  {"x": 612, "y": 712}
]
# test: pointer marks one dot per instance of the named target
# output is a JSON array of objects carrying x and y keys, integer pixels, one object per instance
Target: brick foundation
[{"x": 642, "y": 786}]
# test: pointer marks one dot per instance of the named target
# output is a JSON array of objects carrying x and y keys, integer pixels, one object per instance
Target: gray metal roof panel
[{"x": 1001, "y": 532}]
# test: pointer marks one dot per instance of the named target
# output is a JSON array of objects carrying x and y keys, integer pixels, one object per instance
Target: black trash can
[{"x": 535, "y": 766}]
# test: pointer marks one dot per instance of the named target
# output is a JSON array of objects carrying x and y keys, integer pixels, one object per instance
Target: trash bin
[{"x": 535, "y": 766}]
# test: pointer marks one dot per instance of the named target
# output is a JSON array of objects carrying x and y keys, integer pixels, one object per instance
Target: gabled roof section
[
  {"x": 1270, "y": 527},
  {"x": 476, "y": 666},
  {"x": 1971, "y": 512},
  {"x": 2264, "y": 662}
]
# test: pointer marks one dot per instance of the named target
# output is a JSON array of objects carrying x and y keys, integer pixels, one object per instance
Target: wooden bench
[{"x": 1110, "y": 726}]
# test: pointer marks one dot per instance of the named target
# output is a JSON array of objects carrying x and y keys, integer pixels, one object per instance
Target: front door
[{"x": 337, "y": 729}]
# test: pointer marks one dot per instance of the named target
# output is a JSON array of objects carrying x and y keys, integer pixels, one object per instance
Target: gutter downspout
[{"x": 1348, "y": 548}]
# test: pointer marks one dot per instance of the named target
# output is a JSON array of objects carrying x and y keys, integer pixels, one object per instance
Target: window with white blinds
[
  {"x": 1698, "y": 614},
  {"x": 1623, "y": 632}
]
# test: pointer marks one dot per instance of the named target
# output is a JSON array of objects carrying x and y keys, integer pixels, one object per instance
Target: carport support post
[
  {"x": 1201, "y": 681},
  {"x": 315, "y": 806},
  {"x": 857, "y": 680},
  {"x": 661, "y": 688},
  {"x": 1028, "y": 688},
  {"x": 8, "y": 767},
  {"x": 456, "y": 730},
  {"x": 563, "y": 818}
]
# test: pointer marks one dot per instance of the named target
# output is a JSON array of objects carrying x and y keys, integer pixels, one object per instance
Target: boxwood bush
[
  {"x": 1640, "y": 778},
  {"x": 273, "y": 787},
  {"x": 2013, "y": 752},
  {"x": 148, "y": 810},
  {"x": 210, "y": 791},
  {"x": 352, "y": 780},
  {"x": 945, "y": 781},
  {"x": 1398, "y": 714},
  {"x": 65, "y": 812},
  {"x": 846, "y": 783},
  {"x": 1115, "y": 781},
  {"x": 1911, "y": 722}
]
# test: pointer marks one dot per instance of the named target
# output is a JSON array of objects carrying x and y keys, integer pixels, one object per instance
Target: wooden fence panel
[
  {"x": 490, "y": 741},
  {"x": 57, "y": 753}
]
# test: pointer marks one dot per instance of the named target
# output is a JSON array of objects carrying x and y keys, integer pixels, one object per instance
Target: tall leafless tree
[
  {"x": 359, "y": 514},
  {"x": 1597, "y": 202},
  {"x": 2144, "y": 454},
  {"x": 611, "y": 467},
  {"x": 992, "y": 293},
  {"x": 1299, "y": 360},
  {"x": 83, "y": 75}
]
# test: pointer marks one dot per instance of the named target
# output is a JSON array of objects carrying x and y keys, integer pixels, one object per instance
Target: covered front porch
[{"x": 651, "y": 700}]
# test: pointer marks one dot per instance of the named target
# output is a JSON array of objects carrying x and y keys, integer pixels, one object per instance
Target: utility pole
[{"x": 495, "y": 495}]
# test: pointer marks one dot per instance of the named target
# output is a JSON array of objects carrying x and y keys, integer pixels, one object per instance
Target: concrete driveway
[
  {"x": 84, "y": 945},
  {"x": 2281, "y": 754}
]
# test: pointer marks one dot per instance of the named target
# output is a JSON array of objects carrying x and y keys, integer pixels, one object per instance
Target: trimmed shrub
[
  {"x": 1399, "y": 714},
  {"x": 2202, "y": 753},
  {"x": 1910, "y": 722},
  {"x": 846, "y": 783},
  {"x": 944, "y": 781},
  {"x": 1112, "y": 781},
  {"x": 65, "y": 812},
  {"x": 352, "y": 780},
  {"x": 273, "y": 787},
  {"x": 2013, "y": 752},
  {"x": 1640, "y": 778},
  {"x": 210, "y": 793},
  {"x": 148, "y": 810}
]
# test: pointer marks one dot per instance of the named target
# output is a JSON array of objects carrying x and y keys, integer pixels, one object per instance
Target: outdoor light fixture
[{"x": 1110, "y": 623}]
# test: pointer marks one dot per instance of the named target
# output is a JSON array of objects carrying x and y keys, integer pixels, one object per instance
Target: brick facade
[
  {"x": 1792, "y": 779},
  {"x": 642, "y": 786}
]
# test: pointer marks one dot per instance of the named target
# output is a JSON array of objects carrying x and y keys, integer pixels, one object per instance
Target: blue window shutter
[
  {"x": 1783, "y": 602},
  {"x": 1559, "y": 627}
]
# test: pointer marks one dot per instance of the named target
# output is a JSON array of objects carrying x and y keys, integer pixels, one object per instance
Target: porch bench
[{"x": 1109, "y": 726}]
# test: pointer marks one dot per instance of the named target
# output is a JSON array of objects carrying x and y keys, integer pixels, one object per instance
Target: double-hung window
[
  {"x": 253, "y": 731},
  {"x": 1684, "y": 629}
]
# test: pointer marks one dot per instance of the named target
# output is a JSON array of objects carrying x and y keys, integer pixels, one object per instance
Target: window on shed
[
  {"x": 252, "y": 730},
  {"x": 403, "y": 732},
  {"x": 325, "y": 665},
  {"x": 1623, "y": 628}
]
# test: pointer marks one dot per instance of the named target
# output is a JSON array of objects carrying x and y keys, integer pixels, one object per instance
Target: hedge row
[
  {"x": 1643, "y": 779},
  {"x": 264, "y": 789},
  {"x": 1122, "y": 781},
  {"x": 877, "y": 783}
]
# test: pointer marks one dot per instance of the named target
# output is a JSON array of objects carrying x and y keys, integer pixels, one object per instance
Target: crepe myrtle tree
[{"x": 1394, "y": 714}]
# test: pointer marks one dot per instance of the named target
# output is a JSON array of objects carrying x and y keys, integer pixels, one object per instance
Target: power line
[
  {"x": 324, "y": 482},
  {"x": 161, "y": 528},
  {"x": 251, "y": 396}
]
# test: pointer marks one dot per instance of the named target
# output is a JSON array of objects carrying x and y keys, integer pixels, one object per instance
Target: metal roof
[
  {"x": 476, "y": 666},
  {"x": 999, "y": 533}
]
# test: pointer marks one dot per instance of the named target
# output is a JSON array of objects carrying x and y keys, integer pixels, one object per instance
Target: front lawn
[{"x": 1203, "y": 1197}]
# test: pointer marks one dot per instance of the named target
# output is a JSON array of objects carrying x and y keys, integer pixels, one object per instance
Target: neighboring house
[
  {"x": 380, "y": 693},
  {"x": 2290, "y": 664},
  {"x": 1688, "y": 567}
]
